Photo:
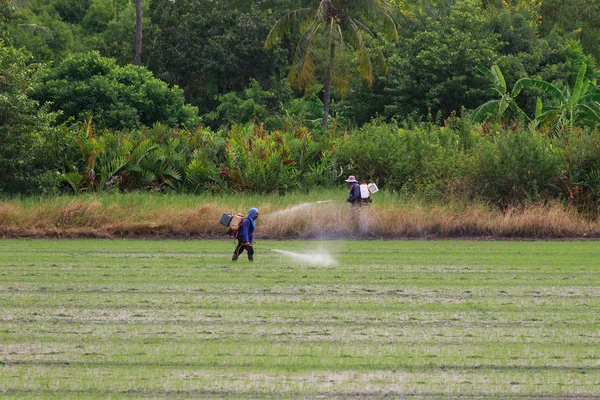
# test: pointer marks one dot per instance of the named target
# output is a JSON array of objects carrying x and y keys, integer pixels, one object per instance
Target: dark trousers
[{"x": 239, "y": 249}]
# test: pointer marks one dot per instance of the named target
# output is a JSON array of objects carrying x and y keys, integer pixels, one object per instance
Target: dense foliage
[
  {"x": 88, "y": 85},
  {"x": 29, "y": 141},
  {"x": 493, "y": 101}
]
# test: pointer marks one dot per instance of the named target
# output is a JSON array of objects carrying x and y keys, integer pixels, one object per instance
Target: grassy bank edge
[{"x": 318, "y": 215}]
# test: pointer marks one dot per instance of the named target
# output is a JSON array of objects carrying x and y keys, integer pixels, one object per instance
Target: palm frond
[
  {"x": 375, "y": 10},
  {"x": 146, "y": 177},
  {"x": 303, "y": 66},
  {"x": 172, "y": 173},
  {"x": 390, "y": 27},
  {"x": 364, "y": 65},
  {"x": 341, "y": 44},
  {"x": 142, "y": 149},
  {"x": 335, "y": 36},
  {"x": 360, "y": 26},
  {"x": 110, "y": 169},
  {"x": 200, "y": 170},
  {"x": 74, "y": 179},
  {"x": 323, "y": 9},
  {"x": 297, "y": 20}
]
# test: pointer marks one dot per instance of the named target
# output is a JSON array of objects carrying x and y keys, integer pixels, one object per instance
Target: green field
[{"x": 177, "y": 319}]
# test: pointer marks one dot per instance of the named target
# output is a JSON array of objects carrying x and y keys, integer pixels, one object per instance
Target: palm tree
[{"x": 336, "y": 25}]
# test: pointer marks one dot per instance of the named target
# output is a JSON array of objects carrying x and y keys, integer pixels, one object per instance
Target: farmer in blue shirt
[
  {"x": 354, "y": 197},
  {"x": 245, "y": 235}
]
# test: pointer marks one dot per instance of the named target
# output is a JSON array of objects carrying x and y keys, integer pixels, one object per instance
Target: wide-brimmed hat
[{"x": 351, "y": 179}]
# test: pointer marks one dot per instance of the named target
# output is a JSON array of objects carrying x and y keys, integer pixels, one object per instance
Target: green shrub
[
  {"x": 418, "y": 161},
  {"x": 30, "y": 143},
  {"x": 580, "y": 180},
  {"x": 514, "y": 168},
  {"x": 370, "y": 153},
  {"x": 88, "y": 85}
]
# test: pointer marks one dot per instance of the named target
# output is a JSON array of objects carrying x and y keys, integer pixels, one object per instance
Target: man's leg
[
  {"x": 250, "y": 250},
  {"x": 238, "y": 250}
]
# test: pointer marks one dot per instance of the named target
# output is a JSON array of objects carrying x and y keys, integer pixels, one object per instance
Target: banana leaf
[
  {"x": 486, "y": 110},
  {"x": 543, "y": 86}
]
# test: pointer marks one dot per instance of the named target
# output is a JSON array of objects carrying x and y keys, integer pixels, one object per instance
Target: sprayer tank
[{"x": 364, "y": 190}]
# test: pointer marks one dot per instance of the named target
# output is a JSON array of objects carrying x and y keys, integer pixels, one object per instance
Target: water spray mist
[{"x": 320, "y": 258}]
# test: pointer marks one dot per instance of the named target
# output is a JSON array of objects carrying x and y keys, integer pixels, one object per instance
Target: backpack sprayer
[
  {"x": 366, "y": 189},
  {"x": 233, "y": 222}
]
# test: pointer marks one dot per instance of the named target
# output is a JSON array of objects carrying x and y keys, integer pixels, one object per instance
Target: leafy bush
[
  {"x": 370, "y": 153},
  {"x": 85, "y": 85},
  {"x": 513, "y": 168},
  {"x": 30, "y": 144},
  {"x": 581, "y": 176},
  {"x": 233, "y": 109},
  {"x": 418, "y": 160}
]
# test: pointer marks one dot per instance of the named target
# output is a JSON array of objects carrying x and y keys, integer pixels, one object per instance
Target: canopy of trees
[{"x": 210, "y": 48}]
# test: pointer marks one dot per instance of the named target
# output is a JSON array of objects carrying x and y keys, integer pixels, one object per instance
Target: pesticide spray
[
  {"x": 299, "y": 207},
  {"x": 316, "y": 258}
]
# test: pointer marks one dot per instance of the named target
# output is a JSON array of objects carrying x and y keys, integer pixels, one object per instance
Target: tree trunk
[
  {"x": 138, "y": 32},
  {"x": 327, "y": 88},
  {"x": 326, "y": 101}
]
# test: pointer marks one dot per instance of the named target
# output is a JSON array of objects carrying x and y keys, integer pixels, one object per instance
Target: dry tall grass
[{"x": 101, "y": 218}]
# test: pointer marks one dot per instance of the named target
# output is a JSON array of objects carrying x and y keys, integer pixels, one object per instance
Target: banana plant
[
  {"x": 577, "y": 106},
  {"x": 506, "y": 106}
]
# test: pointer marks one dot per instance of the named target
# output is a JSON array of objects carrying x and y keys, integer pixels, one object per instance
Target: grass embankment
[
  {"x": 322, "y": 214},
  {"x": 178, "y": 319}
]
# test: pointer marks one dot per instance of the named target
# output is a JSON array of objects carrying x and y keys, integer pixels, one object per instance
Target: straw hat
[{"x": 351, "y": 179}]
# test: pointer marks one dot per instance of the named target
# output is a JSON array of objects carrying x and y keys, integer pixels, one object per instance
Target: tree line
[{"x": 326, "y": 68}]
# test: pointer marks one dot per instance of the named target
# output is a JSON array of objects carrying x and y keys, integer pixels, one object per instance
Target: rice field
[{"x": 417, "y": 319}]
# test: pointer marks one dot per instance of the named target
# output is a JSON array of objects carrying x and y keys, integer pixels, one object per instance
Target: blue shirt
[{"x": 246, "y": 231}]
